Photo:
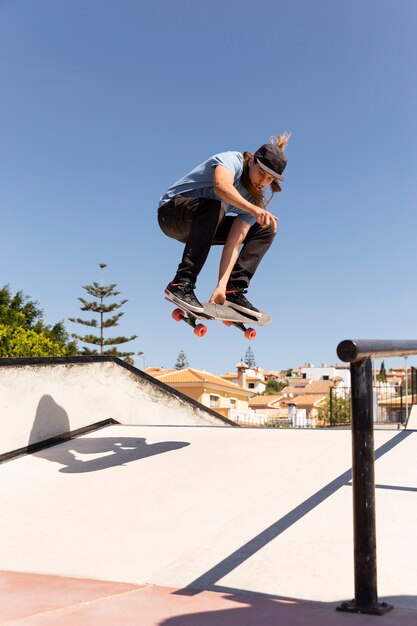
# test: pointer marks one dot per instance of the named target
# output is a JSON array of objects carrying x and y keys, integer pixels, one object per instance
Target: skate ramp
[{"x": 44, "y": 400}]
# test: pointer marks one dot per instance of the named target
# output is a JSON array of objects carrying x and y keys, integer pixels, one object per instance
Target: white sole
[{"x": 180, "y": 303}]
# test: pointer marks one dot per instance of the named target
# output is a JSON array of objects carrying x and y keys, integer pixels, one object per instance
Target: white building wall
[{"x": 318, "y": 373}]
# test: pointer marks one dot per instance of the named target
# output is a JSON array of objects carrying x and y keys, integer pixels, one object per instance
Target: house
[
  {"x": 269, "y": 406},
  {"x": 399, "y": 372},
  {"x": 274, "y": 375},
  {"x": 250, "y": 378},
  {"x": 393, "y": 409},
  {"x": 300, "y": 397},
  {"x": 210, "y": 390},
  {"x": 313, "y": 387},
  {"x": 262, "y": 403},
  {"x": 309, "y": 402},
  {"x": 298, "y": 383},
  {"x": 326, "y": 372},
  {"x": 396, "y": 376}
]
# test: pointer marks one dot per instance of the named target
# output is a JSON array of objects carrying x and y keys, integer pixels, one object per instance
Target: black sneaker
[
  {"x": 183, "y": 295},
  {"x": 237, "y": 301}
]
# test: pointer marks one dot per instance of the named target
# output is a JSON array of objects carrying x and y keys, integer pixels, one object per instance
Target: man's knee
[
  {"x": 265, "y": 234},
  {"x": 271, "y": 232}
]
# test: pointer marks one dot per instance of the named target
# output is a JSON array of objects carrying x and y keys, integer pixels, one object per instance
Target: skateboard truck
[
  {"x": 179, "y": 316},
  {"x": 250, "y": 333}
]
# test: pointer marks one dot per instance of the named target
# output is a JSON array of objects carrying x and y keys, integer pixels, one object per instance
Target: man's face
[{"x": 258, "y": 177}]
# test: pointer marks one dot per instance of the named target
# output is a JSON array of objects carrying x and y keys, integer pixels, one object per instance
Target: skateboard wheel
[
  {"x": 250, "y": 334},
  {"x": 226, "y": 323},
  {"x": 200, "y": 330},
  {"x": 177, "y": 315}
]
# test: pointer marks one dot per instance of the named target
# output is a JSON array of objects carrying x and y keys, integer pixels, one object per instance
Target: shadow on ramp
[
  {"x": 109, "y": 452},
  {"x": 51, "y": 420},
  {"x": 238, "y": 608},
  {"x": 209, "y": 579}
]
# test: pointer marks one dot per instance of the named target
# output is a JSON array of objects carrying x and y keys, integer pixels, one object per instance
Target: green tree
[
  {"x": 336, "y": 410},
  {"x": 98, "y": 306},
  {"x": 249, "y": 358},
  {"x": 24, "y": 332},
  {"x": 382, "y": 376},
  {"x": 181, "y": 362},
  {"x": 273, "y": 387},
  {"x": 18, "y": 310}
]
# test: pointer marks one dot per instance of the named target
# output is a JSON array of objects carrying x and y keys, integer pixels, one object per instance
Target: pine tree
[
  {"x": 249, "y": 358},
  {"x": 181, "y": 362},
  {"x": 101, "y": 293}
]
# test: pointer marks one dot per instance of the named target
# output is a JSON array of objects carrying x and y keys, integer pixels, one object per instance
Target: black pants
[{"x": 195, "y": 222}]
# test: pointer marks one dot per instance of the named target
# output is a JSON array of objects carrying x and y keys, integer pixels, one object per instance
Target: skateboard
[{"x": 221, "y": 312}]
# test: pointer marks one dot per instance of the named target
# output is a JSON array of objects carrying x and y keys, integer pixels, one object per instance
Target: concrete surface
[
  {"x": 412, "y": 419},
  {"x": 227, "y": 511}
]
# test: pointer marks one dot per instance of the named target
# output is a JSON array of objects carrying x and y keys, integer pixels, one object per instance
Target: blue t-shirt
[{"x": 199, "y": 182}]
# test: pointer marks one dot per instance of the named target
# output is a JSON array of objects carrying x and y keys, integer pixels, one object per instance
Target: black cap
[{"x": 271, "y": 159}]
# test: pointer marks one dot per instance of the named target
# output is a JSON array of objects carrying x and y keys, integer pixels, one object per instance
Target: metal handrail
[
  {"x": 359, "y": 352},
  {"x": 354, "y": 350}
]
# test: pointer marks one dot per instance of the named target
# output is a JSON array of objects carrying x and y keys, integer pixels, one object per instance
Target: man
[{"x": 222, "y": 202}]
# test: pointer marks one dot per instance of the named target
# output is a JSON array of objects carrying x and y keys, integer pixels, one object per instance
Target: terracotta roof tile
[
  {"x": 157, "y": 371},
  {"x": 306, "y": 400},
  {"x": 299, "y": 382},
  {"x": 191, "y": 375},
  {"x": 292, "y": 390},
  {"x": 319, "y": 386},
  {"x": 264, "y": 400}
]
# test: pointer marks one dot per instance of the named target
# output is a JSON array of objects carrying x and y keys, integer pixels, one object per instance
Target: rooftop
[{"x": 190, "y": 375}]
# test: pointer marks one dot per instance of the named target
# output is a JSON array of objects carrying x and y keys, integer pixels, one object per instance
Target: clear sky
[{"x": 105, "y": 103}]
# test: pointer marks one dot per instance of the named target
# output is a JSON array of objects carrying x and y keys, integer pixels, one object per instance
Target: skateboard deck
[{"x": 220, "y": 312}]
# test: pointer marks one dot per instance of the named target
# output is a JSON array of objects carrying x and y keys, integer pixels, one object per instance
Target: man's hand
[
  {"x": 265, "y": 219},
  {"x": 218, "y": 296}
]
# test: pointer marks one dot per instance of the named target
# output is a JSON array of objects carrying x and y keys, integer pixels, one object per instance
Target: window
[
  {"x": 251, "y": 385},
  {"x": 233, "y": 403},
  {"x": 214, "y": 401}
]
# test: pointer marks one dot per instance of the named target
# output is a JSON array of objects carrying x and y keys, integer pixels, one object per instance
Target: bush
[{"x": 22, "y": 342}]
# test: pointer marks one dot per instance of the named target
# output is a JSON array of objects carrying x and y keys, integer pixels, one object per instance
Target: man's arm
[
  {"x": 223, "y": 188},
  {"x": 236, "y": 236}
]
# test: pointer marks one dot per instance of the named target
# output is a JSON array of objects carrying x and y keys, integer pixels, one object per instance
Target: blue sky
[{"x": 105, "y": 103}]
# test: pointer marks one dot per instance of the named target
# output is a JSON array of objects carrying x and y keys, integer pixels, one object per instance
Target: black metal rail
[
  {"x": 354, "y": 350},
  {"x": 359, "y": 353}
]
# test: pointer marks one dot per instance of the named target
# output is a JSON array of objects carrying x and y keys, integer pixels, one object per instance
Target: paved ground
[
  {"x": 183, "y": 526},
  {"x": 36, "y": 600}
]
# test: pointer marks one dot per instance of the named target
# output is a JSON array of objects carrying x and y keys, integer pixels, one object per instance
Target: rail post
[{"x": 363, "y": 487}]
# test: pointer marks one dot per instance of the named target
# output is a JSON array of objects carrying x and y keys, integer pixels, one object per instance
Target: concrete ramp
[
  {"x": 412, "y": 419},
  {"x": 45, "y": 399}
]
